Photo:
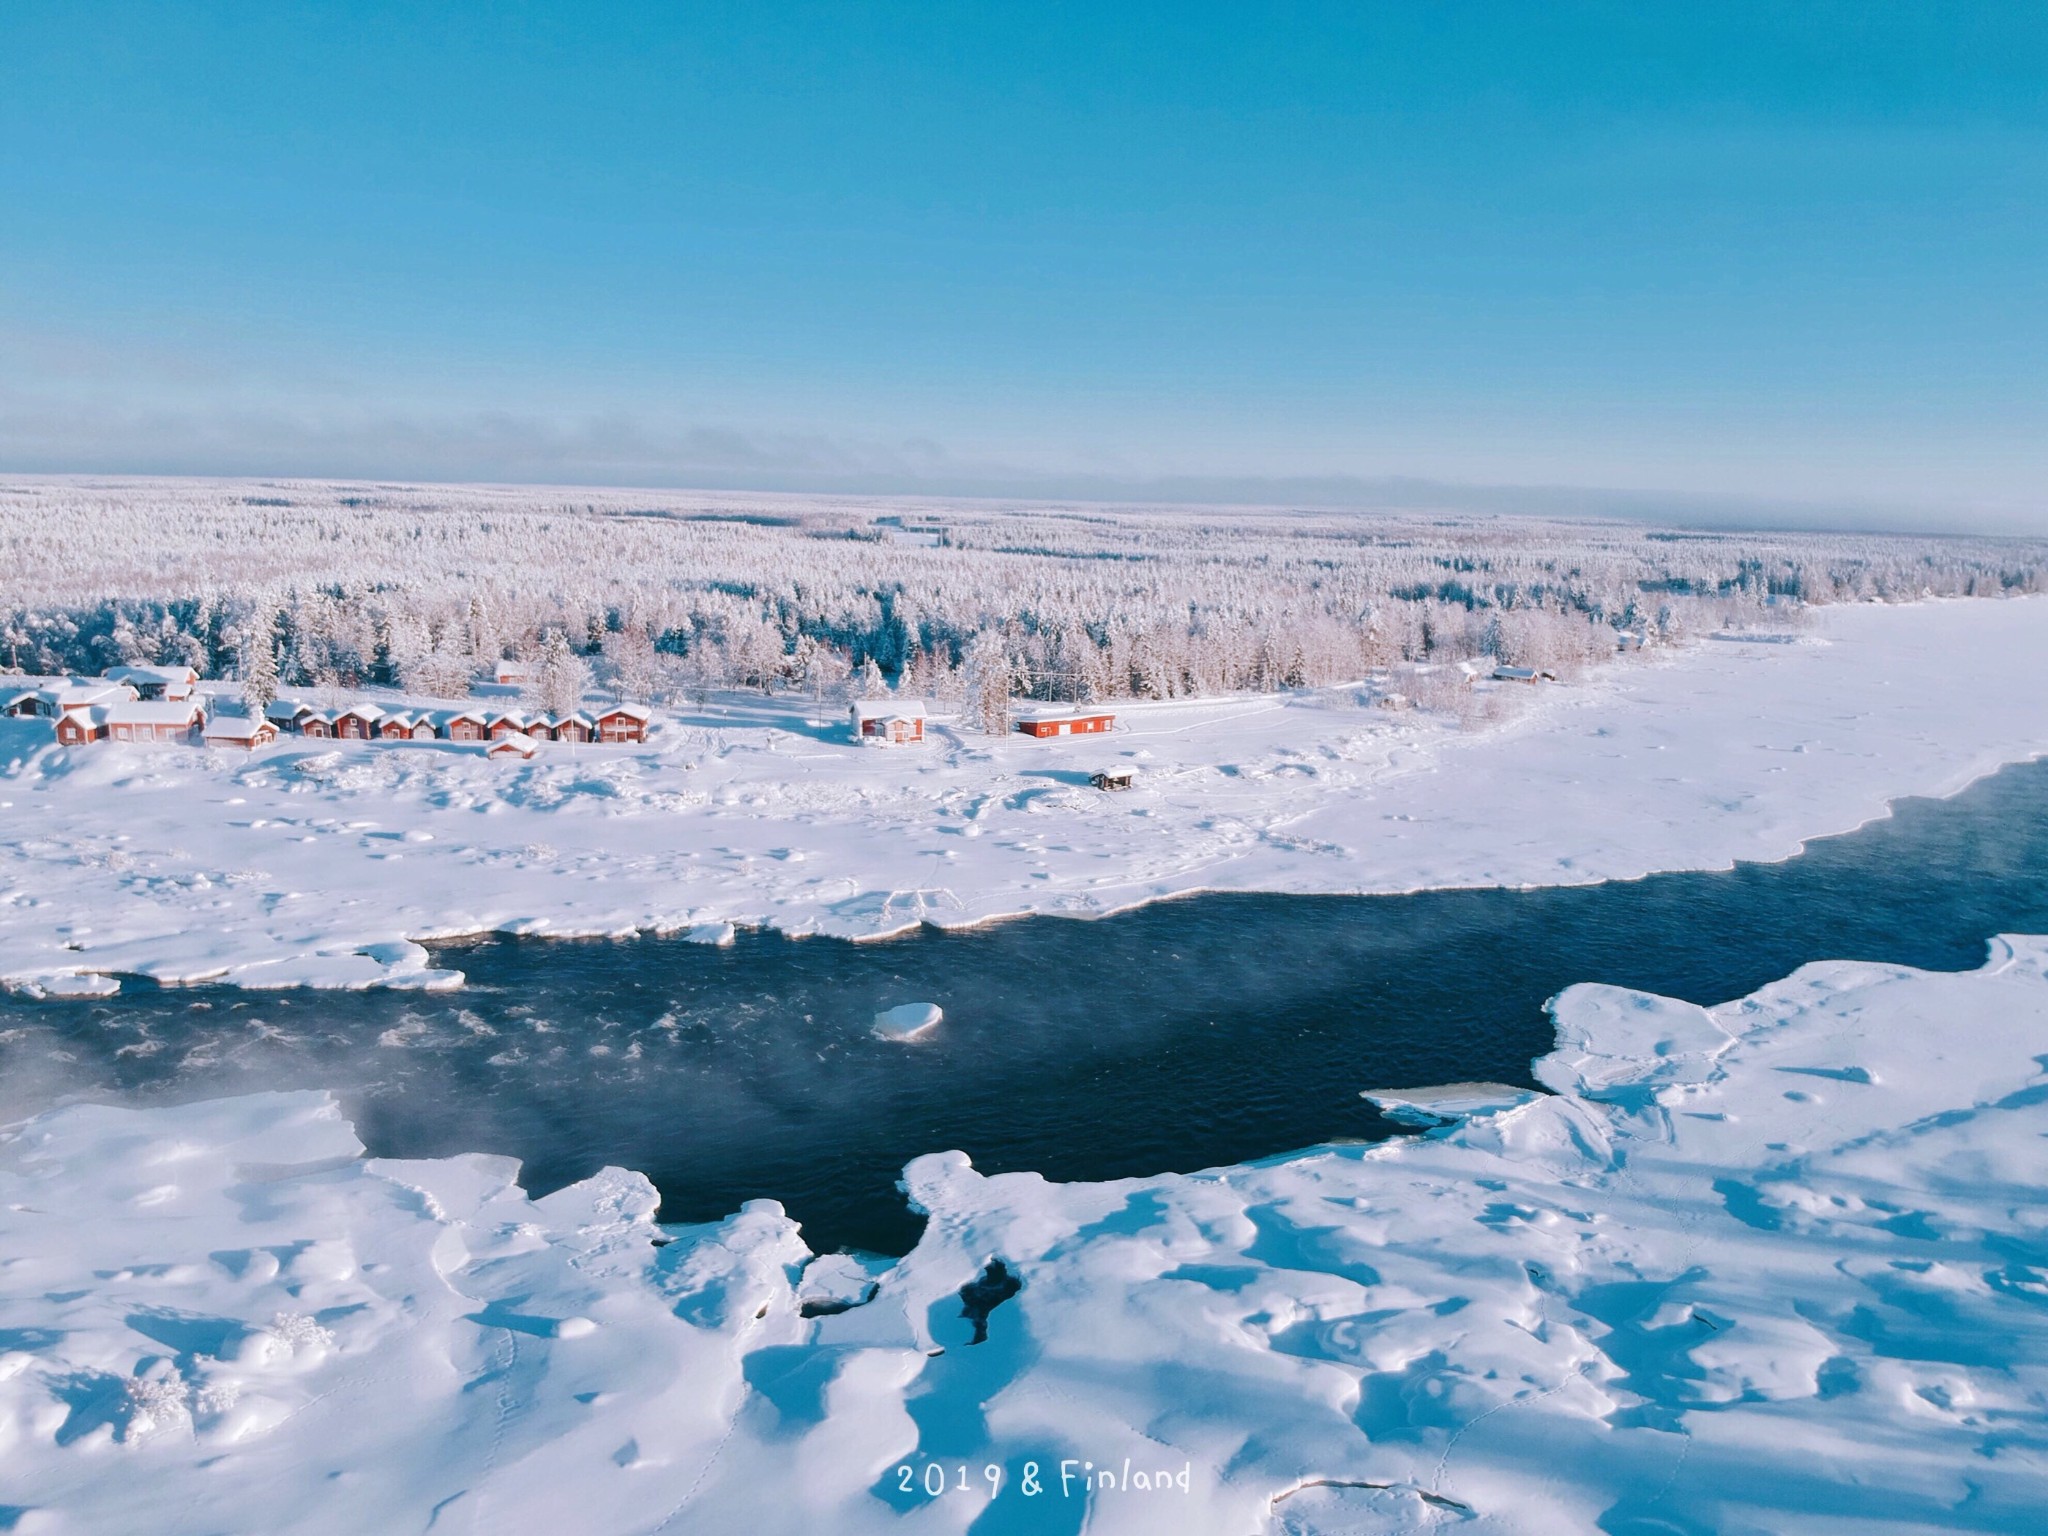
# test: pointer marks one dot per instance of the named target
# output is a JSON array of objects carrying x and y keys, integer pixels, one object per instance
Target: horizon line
[{"x": 1389, "y": 495}]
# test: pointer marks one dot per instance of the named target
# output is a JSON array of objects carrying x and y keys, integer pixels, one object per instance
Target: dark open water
[{"x": 1184, "y": 1035}]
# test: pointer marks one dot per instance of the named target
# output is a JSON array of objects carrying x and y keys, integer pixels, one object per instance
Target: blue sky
[{"x": 1792, "y": 253}]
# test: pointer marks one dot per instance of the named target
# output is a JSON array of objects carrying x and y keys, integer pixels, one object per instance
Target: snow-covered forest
[{"x": 424, "y": 586}]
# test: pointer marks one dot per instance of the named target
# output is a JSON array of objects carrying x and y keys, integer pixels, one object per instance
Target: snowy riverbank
[
  {"x": 325, "y": 863},
  {"x": 1778, "y": 1265}
]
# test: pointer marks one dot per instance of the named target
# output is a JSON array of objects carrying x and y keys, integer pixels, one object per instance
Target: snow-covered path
[
  {"x": 1775, "y": 1266},
  {"x": 318, "y": 863}
]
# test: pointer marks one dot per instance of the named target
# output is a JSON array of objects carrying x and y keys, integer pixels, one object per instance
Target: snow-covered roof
[
  {"x": 511, "y": 716},
  {"x": 285, "y": 709},
  {"x": 80, "y": 695},
  {"x": 400, "y": 717},
  {"x": 153, "y": 712},
  {"x": 638, "y": 712},
  {"x": 523, "y": 745},
  {"x": 888, "y": 709},
  {"x": 1060, "y": 712},
  {"x": 449, "y": 716},
  {"x": 361, "y": 712},
  {"x": 236, "y": 727},
  {"x": 151, "y": 675},
  {"x": 1515, "y": 674}
]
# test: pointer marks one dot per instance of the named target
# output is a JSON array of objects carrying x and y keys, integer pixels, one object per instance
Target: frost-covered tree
[
  {"x": 560, "y": 677},
  {"x": 753, "y": 651},
  {"x": 797, "y": 661},
  {"x": 438, "y": 674},
  {"x": 868, "y": 682},
  {"x": 985, "y": 704},
  {"x": 632, "y": 667},
  {"x": 752, "y": 590},
  {"x": 259, "y": 663}
]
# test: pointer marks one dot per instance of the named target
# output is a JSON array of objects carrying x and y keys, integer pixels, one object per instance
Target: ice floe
[{"x": 907, "y": 1021}]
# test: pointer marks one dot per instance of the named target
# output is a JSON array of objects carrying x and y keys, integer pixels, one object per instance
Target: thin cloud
[{"x": 38, "y": 436}]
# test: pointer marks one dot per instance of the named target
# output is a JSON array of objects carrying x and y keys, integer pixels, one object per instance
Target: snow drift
[{"x": 1779, "y": 1265}]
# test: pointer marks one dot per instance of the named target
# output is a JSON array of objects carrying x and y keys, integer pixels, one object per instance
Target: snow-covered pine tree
[
  {"x": 989, "y": 671},
  {"x": 560, "y": 677},
  {"x": 259, "y": 662}
]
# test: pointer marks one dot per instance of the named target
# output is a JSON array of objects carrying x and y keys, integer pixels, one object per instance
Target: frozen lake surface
[{"x": 1200, "y": 1032}]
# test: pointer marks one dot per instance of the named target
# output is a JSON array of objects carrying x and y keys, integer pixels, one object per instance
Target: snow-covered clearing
[
  {"x": 322, "y": 863},
  {"x": 1775, "y": 1266}
]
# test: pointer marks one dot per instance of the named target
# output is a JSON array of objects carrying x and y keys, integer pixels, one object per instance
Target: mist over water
[{"x": 1184, "y": 1035}]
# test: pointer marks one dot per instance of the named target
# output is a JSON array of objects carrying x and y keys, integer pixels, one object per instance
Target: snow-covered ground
[
  {"x": 1776, "y": 1266},
  {"x": 322, "y": 863}
]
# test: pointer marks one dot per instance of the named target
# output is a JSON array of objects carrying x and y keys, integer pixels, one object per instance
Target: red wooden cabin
[
  {"x": 622, "y": 722},
  {"x": 1066, "y": 723}
]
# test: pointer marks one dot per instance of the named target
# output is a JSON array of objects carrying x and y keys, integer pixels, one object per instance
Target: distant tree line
[{"x": 309, "y": 586}]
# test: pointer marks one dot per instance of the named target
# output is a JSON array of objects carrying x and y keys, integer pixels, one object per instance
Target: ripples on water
[{"x": 1184, "y": 1035}]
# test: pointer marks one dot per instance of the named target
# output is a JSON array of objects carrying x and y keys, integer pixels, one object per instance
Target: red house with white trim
[
  {"x": 623, "y": 722},
  {"x": 405, "y": 725},
  {"x": 76, "y": 727},
  {"x": 888, "y": 722},
  {"x": 358, "y": 722},
  {"x": 464, "y": 725},
  {"x": 245, "y": 731},
  {"x": 155, "y": 720}
]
